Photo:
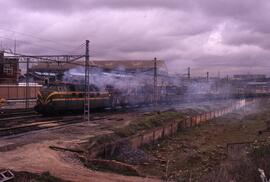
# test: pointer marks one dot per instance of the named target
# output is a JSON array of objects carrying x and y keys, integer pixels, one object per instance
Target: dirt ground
[
  {"x": 31, "y": 151},
  {"x": 195, "y": 152}
]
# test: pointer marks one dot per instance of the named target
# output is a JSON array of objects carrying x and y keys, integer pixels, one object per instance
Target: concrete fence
[
  {"x": 19, "y": 91},
  {"x": 169, "y": 129}
]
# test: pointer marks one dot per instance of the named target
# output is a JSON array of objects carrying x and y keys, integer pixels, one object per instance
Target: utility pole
[
  {"x": 207, "y": 76},
  {"x": 15, "y": 46},
  {"x": 27, "y": 84},
  {"x": 86, "y": 84},
  {"x": 188, "y": 73},
  {"x": 155, "y": 82}
]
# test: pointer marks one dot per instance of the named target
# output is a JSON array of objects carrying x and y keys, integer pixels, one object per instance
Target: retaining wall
[{"x": 169, "y": 129}]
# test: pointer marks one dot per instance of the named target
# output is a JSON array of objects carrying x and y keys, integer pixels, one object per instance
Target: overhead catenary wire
[
  {"x": 48, "y": 59},
  {"x": 77, "y": 48},
  {"x": 68, "y": 48},
  {"x": 35, "y": 44},
  {"x": 35, "y": 37}
]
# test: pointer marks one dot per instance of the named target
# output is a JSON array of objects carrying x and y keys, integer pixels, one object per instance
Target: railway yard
[
  {"x": 132, "y": 124},
  {"x": 134, "y": 91},
  {"x": 60, "y": 145}
]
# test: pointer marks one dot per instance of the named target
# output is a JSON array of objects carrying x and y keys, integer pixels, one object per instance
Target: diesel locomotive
[{"x": 57, "y": 98}]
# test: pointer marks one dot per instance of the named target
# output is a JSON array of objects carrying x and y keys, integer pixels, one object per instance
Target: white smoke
[
  {"x": 142, "y": 82},
  {"x": 119, "y": 78}
]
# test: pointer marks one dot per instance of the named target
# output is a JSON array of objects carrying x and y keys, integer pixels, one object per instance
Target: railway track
[
  {"x": 44, "y": 123},
  {"x": 13, "y": 122},
  {"x": 7, "y": 113},
  {"x": 19, "y": 122},
  {"x": 17, "y": 116}
]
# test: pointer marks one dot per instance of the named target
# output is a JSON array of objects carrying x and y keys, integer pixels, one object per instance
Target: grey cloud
[
  {"x": 174, "y": 30},
  {"x": 230, "y": 8},
  {"x": 69, "y": 6}
]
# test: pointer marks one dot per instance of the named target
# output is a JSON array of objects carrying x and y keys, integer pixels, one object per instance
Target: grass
[
  {"x": 245, "y": 168},
  {"x": 149, "y": 122}
]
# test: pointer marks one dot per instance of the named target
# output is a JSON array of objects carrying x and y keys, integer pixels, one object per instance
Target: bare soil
[
  {"x": 194, "y": 153},
  {"x": 31, "y": 151}
]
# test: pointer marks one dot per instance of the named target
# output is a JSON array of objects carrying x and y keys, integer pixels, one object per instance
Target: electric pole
[
  {"x": 27, "y": 84},
  {"x": 188, "y": 73},
  {"x": 155, "y": 82},
  {"x": 86, "y": 83}
]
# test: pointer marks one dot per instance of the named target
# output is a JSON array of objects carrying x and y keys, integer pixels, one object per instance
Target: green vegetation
[
  {"x": 102, "y": 139},
  {"x": 149, "y": 122}
]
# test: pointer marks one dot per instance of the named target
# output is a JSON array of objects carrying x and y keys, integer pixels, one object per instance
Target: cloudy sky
[{"x": 226, "y": 36}]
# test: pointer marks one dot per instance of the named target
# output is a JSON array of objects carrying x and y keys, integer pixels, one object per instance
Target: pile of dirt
[
  {"x": 111, "y": 166},
  {"x": 132, "y": 156}
]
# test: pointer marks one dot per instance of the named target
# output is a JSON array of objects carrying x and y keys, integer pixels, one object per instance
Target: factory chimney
[
  {"x": 1, "y": 56},
  {"x": 188, "y": 73}
]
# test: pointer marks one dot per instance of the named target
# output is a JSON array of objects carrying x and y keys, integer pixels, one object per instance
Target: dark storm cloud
[
  {"x": 71, "y": 5},
  {"x": 206, "y": 34}
]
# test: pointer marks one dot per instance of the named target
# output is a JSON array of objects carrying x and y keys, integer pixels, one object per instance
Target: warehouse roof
[{"x": 104, "y": 64}]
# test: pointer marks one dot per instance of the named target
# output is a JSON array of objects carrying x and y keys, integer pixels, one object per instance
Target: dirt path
[
  {"x": 30, "y": 151},
  {"x": 38, "y": 158}
]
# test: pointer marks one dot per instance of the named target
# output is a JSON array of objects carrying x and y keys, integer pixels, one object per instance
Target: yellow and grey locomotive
[{"x": 69, "y": 97}]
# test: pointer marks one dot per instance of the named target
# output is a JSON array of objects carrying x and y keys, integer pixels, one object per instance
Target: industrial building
[
  {"x": 9, "y": 69},
  {"x": 250, "y": 77},
  {"x": 56, "y": 71}
]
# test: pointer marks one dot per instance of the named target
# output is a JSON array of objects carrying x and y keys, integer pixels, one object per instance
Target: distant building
[
  {"x": 46, "y": 70},
  {"x": 252, "y": 77},
  {"x": 9, "y": 69}
]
